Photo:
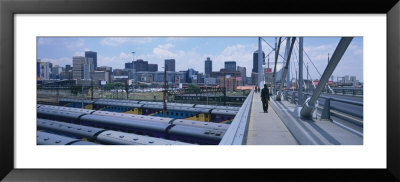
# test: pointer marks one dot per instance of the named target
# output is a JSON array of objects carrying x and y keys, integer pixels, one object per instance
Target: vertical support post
[
  {"x": 326, "y": 113},
  {"x": 341, "y": 48},
  {"x": 300, "y": 84},
  {"x": 260, "y": 65},
  {"x": 293, "y": 97},
  {"x": 276, "y": 62},
  {"x": 165, "y": 93},
  {"x": 286, "y": 68}
]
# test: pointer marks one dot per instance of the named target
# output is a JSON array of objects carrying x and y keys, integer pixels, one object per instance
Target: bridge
[{"x": 319, "y": 115}]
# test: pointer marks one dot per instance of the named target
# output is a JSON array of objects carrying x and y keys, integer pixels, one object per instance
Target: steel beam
[
  {"x": 260, "y": 82},
  {"x": 276, "y": 62},
  {"x": 309, "y": 105},
  {"x": 300, "y": 84},
  {"x": 279, "y": 94}
]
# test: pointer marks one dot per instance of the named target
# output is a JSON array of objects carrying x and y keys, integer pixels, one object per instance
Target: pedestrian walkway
[
  {"x": 315, "y": 131},
  {"x": 267, "y": 128}
]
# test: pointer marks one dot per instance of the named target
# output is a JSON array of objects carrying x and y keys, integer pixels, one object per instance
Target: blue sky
[{"x": 190, "y": 52}]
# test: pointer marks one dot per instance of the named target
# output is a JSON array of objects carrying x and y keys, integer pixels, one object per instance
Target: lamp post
[{"x": 165, "y": 93}]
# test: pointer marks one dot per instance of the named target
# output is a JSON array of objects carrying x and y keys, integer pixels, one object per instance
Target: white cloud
[
  {"x": 74, "y": 43},
  {"x": 44, "y": 41},
  {"x": 116, "y": 41},
  {"x": 58, "y": 61}
]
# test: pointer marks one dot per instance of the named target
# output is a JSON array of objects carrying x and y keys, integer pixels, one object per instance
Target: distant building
[
  {"x": 230, "y": 65},
  {"x": 37, "y": 69},
  {"x": 152, "y": 67},
  {"x": 44, "y": 70},
  {"x": 170, "y": 65},
  {"x": 78, "y": 67},
  {"x": 93, "y": 56},
  {"x": 208, "y": 66},
  {"x": 56, "y": 72},
  {"x": 224, "y": 72},
  {"x": 255, "y": 61},
  {"x": 68, "y": 67},
  {"x": 254, "y": 78},
  {"x": 140, "y": 65},
  {"x": 210, "y": 81},
  {"x": 98, "y": 76},
  {"x": 191, "y": 76},
  {"x": 229, "y": 82},
  {"x": 242, "y": 71},
  {"x": 129, "y": 65}
]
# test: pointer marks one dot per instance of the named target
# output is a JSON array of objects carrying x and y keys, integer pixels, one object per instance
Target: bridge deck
[
  {"x": 267, "y": 128},
  {"x": 315, "y": 131}
]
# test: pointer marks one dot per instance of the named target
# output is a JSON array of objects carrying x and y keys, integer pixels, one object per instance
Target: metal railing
[
  {"x": 236, "y": 131},
  {"x": 327, "y": 107}
]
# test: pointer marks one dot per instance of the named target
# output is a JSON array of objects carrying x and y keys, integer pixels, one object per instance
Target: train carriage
[
  {"x": 131, "y": 108},
  {"x": 223, "y": 116},
  {"x": 77, "y": 103}
]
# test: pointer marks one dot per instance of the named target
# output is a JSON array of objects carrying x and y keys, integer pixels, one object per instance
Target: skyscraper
[
  {"x": 230, "y": 65},
  {"x": 44, "y": 70},
  {"x": 242, "y": 71},
  {"x": 208, "y": 66},
  {"x": 255, "y": 61},
  {"x": 91, "y": 54},
  {"x": 140, "y": 65},
  {"x": 170, "y": 65},
  {"x": 78, "y": 63},
  {"x": 153, "y": 67}
]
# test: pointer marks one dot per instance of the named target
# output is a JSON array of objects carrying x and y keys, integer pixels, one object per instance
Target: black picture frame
[{"x": 8, "y": 8}]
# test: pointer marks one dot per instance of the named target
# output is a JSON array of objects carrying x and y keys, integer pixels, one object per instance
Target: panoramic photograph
[{"x": 199, "y": 90}]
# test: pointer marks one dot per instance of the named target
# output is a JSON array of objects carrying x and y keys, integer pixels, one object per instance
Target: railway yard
[{"x": 131, "y": 122}]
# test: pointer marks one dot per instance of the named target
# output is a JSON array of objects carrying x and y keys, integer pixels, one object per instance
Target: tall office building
[
  {"x": 128, "y": 65},
  {"x": 208, "y": 66},
  {"x": 44, "y": 70},
  {"x": 153, "y": 67},
  {"x": 242, "y": 71},
  {"x": 78, "y": 63},
  {"x": 230, "y": 65},
  {"x": 140, "y": 65},
  {"x": 67, "y": 68},
  {"x": 170, "y": 65},
  {"x": 93, "y": 55},
  {"x": 37, "y": 69},
  {"x": 255, "y": 61}
]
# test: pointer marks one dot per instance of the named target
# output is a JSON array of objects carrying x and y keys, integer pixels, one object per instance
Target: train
[
  {"x": 206, "y": 113},
  {"x": 158, "y": 129},
  {"x": 209, "y": 125},
  {"x": 61, "y": 133},
  {"x": 45, "y": 138}
]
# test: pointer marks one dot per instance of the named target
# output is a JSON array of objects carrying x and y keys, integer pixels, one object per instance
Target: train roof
[
  {"x": 200, "y": 124},
  {"x": 68, "y": 128},
  {"x": 217, "y": 107},
  {"x": 69, "y": 109},
  {"x": 125, "y": 104},
  {"x": 126, "y": 122},
  {"x": 44, "y": 138},
  {"x": 77, "y": 100},
  {"x": 121, "y": 138},
  {"x": 224, "y": 112},
  {"x": 53, "y": 112},
  {"x": 133, "y": 116},
  {"x": 119, "y": 100}
]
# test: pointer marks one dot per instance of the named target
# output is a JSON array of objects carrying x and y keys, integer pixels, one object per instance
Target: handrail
[
  {"x": 357, "y": 103},
  {"x": 236, "y": 131}
]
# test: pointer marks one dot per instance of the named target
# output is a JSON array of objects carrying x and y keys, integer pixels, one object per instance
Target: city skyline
[{"x": 191, "y": 52}]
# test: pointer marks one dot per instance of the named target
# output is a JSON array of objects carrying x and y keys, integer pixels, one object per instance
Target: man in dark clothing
[{"x": 265, "y": 97}]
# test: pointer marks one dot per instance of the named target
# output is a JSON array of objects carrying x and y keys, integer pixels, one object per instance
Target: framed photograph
[{"x": 141, "y": 44}]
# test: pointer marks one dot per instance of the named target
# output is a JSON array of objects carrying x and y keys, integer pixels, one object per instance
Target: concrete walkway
[{"x": 267, "y": 128}]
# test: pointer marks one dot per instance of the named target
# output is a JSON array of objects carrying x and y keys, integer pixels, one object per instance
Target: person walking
[
  {"x": 265, "y": 98},
  {"x": 255, "y": 89}
]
